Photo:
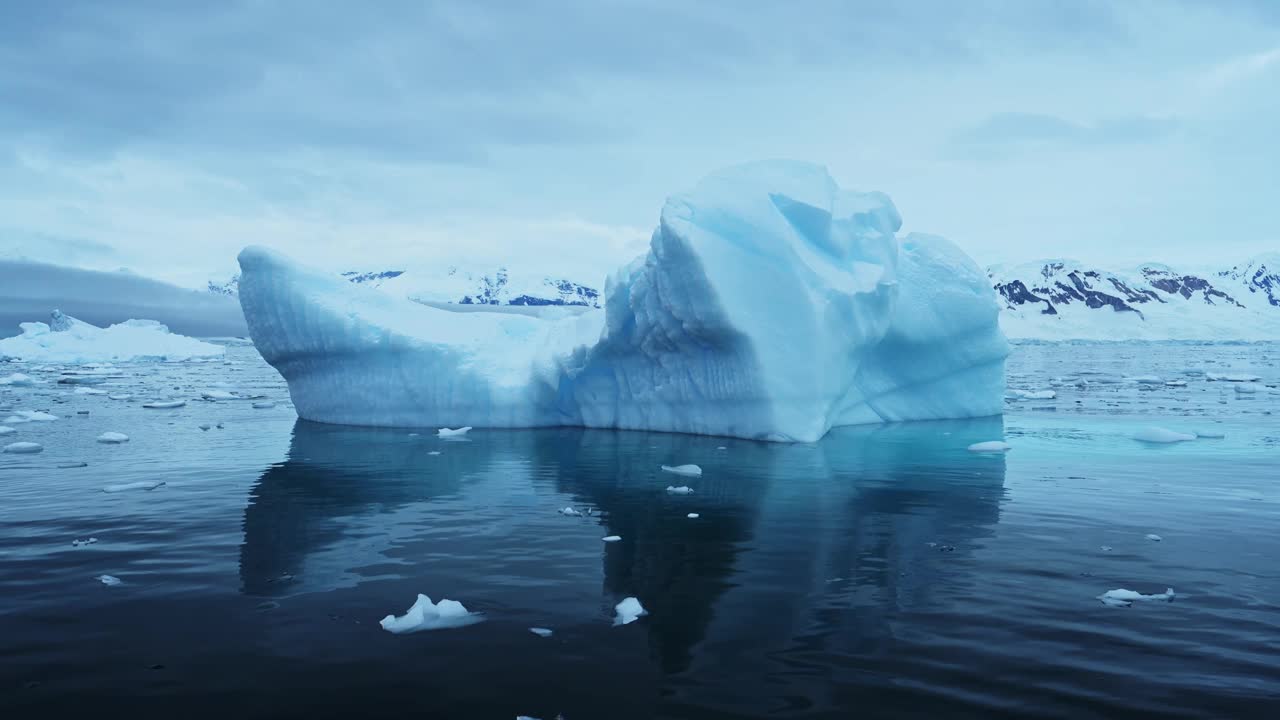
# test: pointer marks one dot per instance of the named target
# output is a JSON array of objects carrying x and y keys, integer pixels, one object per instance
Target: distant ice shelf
[
  {"x": 66, "y": 340},
  {"x": 771, "y": 305}
]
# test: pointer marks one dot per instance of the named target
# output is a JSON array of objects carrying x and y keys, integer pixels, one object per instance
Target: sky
[{"x": 163, "y": 137}]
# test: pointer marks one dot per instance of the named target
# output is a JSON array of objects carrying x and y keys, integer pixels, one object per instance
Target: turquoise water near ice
[{"x": 883, "y": 572}]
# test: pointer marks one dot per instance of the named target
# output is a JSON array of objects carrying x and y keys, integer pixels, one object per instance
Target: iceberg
[
  {"x": 771, "y": 305},
  {"x": 23, "y": 448},
  {"x": 66, "y": 340}
]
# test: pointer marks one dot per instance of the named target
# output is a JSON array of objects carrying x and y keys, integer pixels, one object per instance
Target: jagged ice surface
[{"x": 771, "y": 305}]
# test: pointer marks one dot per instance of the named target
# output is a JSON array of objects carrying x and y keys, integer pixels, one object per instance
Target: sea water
[{"x": 885, "y": 571}]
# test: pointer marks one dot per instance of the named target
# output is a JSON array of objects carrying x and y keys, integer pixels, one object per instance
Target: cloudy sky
[{"x": 163, "y": 136}]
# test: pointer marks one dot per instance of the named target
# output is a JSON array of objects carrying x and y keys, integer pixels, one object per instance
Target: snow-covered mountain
[
  {"x": 1064, "y": 299},
  {"x": 1047, "y": 300},
  {"x": 455, "y": 285}
]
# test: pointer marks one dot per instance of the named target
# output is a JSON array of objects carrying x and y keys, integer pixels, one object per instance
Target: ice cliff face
[
  {"x": 771, "y": 305},
  {"x": 1063, "y": 299}
]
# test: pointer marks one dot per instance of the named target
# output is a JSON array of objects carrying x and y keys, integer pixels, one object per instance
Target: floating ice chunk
[
  {"x": 1030, "y": 394},
  {"x": 434, "y": 452},
  {"x": 1246, "y": 389},
  {"x": 1232, "y": 377},
  {"x": 23, "y": 448},
  {"x": 681, "y": 490},
  {"x": 218, "y": 395},
  {"x": 569, "y": 511},
  {"x": 113, "y": 438},
  {"x": 26, "y": 416},
  {"x": 722, "y": 447},
  {"x": 1210, "y": 434},
  {"x": 120, "y": 397},
  {"x": 89, "y": 391},
  {"x": 541, "y": 632},
  {"x": 19, "y": 380},
  {"x": 1125, "y": 598},
  {"x": 426, "y": 615},
  {"x": 206, "y": 426},
  {"x": 165, "y": 404},
  {"x": 263, "y": 405},
  {"x": 686, "y": 470},
  {"x": 611, "y": 538},
  {"x": 1161, "y": 435},
  {"x": 1145, "y": 379},
  {"x": 140, "y": 485},
  {"x": 453, "y": 432},
  {"x": 78, "y": 543},
  {"x": 6, "y": 430},
  {"x": 1176, "y": 383},
  {"x": 693, "y": 516},
  {"x": 109, "y": 580},
  {"x": 1106, "y": 548},
  {"x": 990, "y": 446},
  {"x": 628, "y": 611},
  {"x": 1153, "y": 537}
]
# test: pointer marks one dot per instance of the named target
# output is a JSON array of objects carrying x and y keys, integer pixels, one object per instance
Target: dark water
[{"x": 884, "y": 572}]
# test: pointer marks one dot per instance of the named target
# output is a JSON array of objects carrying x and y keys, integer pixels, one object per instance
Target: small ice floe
[
  {"x": 1125, "y": 598},
  {"x": 1210, "y": 434},
  {"x": 569, "y": 511},
  {"x": 1153, "y": 537},
  {"x": 722, "y": 447},
  {"x": 6, "y": 430},
  {"x": 686, "y": 470},
  {"x": 1161, "y": 435},
  {"x": 113, "y": 438},
  {"x": 78, "y": 543},
  {"x": 140, "y": 485},
  {"x": 1145, "y": 379},
  {"x": 89, "y": 391},
  {"x": 18, "y": 380},
  {"x": 1231, "y": 377},
  {"x": 990, "y": 446},
  {"x": 26, "y": 416},
  {"x": 1030, "y": 394},
  {"x": 628, "y": 611},
  {"x": 218, "y": 395},
  {"x": 1106, "y": 548},
  {"x": 165, "y": 404},
  {"x": 453, "y": 432},
  {"x": 1246, "y": 389},
  {"x": 681, "y": 490},
  {"x": 206, "y": 426},
  {"x": 611, "y": 538},
  {"x": 426, "y": 615},
  {"x": 120, "y": 397},
  {"x": 541, "y": 632},
  {"x": 23, "y": 448},
  {"x": 263, "y": 405},
  {"x": 109, "y": 580},
  {"x": 693, "y": 516},
  {"x": 433, "y": 452},
  {"x": 1176, "y": 383}
]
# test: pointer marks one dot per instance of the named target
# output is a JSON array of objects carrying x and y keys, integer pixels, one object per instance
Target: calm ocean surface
[{"x": 883, "y": 572}]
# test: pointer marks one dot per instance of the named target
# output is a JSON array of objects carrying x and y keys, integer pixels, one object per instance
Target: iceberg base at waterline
[{"x": 771, "y": 305}]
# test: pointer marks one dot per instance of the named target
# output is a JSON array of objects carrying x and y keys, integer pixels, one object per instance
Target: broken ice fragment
[
  {"x": 1125, "y": 598},
  {"x": 682, "y": 490},
  {"x": 687, "y": 470},
  {"x": 113, "y": 438},
  {"x": 628, "y": 611},
  {"x": 990, "y": 446},
  {"x": 426, "y": 615}
]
